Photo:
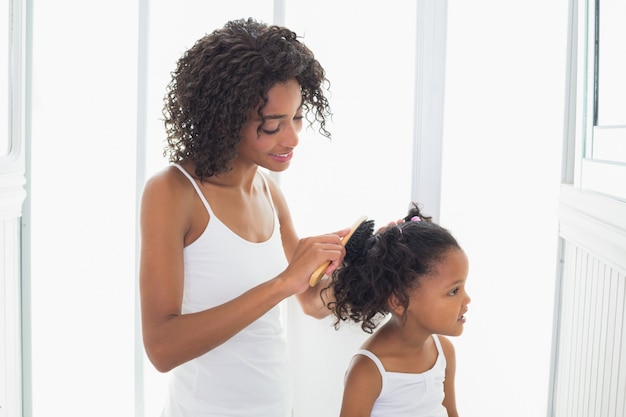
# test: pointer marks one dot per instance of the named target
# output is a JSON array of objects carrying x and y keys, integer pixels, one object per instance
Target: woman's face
[{"x": 272, "y": 145}]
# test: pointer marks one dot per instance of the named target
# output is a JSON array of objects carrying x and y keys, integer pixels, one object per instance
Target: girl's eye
[{"x": 454, "y": 292}]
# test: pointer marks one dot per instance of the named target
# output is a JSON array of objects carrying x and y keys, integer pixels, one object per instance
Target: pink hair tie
[{"x": 416, "y": 219}]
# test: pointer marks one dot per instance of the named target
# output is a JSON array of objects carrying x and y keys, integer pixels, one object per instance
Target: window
[{"x": 603, "y": 102}]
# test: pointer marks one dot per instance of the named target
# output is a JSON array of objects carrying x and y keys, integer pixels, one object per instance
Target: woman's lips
[{"x": 282, "y": 157}]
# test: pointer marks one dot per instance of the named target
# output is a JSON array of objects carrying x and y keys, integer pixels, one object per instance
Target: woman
[{"x": 219, "y": 250}]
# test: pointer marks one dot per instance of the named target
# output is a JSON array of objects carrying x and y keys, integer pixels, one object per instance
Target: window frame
[
  {"x": 12, "y": 197},
  {"x": 592, "y": 173}
]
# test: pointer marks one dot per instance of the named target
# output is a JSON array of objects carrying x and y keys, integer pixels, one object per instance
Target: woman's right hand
[{"x": 310, "y": 254}]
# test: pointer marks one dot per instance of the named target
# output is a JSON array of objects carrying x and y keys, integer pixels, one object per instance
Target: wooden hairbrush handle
[{"x": 319, "y": 272}]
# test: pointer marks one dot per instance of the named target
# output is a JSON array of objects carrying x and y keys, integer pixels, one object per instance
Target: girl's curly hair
[
  {"x": 392, "y": 261},
  {"x": 225, "y": 75}
]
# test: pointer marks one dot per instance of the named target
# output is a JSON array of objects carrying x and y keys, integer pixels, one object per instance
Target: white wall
[
  {"x": 502, "y": 146},
  {"x": 502, "y": 140},
  {"x": 81, "y": 192}
]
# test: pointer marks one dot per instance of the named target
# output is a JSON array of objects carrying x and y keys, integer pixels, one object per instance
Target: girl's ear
[{"x": 395, "y": 305}]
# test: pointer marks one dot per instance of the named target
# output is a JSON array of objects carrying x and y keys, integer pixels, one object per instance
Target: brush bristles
[{"x": 356, "y": 243}]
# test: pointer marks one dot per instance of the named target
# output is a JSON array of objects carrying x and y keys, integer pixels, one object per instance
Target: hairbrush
[{"x": 360, "y": 230}]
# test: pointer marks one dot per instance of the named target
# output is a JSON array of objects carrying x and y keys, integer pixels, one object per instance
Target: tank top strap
[
  {"x": 197, "y": 188},
  {"x": 267, "y": 190},
  {"x": 438, "y": 345}
]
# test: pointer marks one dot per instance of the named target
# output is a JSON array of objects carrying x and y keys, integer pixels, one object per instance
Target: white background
[{"x": 501, "y": 164}]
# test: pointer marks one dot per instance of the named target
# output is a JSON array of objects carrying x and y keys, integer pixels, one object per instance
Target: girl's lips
[{"x": 462, "y": 317}]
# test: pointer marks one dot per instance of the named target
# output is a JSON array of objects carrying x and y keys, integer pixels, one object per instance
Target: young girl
[
  {"x": 413, "y": 274},
  {"x": 216, "y": 233}
]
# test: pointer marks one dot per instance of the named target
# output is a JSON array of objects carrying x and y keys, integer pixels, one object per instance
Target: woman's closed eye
[{"x": 271, "y": 127}]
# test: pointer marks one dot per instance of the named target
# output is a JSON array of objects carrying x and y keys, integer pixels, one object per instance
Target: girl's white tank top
[{"x": 406, "y": 394}]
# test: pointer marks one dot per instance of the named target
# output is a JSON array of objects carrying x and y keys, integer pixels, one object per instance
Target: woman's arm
[
  {"x": 449, "y": 400},
  {"x": 171, "y": 338}
]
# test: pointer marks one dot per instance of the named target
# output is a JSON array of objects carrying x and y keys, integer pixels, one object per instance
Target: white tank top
[
  {"x": 406, "y": 394},
  {"x": 248, "y": 375}
]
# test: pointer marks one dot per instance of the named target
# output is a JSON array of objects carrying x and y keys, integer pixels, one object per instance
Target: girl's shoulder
[
  {"x": 364, "y": 372},
  {"x": 362, "y": 386}
]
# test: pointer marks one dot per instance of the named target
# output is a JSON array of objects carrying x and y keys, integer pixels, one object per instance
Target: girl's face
[
  {"x": 438, "y": 305},
  {"x": 272, "y": 145}
]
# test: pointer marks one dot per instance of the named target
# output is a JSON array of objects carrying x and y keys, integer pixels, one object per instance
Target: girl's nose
[{"x": 468, "y": 299}]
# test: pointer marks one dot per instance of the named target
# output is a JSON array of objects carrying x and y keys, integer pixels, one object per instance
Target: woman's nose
[{"x": 289, "y": 138}]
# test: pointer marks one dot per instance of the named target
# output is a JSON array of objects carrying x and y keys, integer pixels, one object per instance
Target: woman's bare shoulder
[{"x": 168, "y": 180}]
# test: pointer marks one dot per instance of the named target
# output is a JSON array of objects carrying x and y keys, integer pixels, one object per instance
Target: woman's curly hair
[
  {"x": 224, "y": 76},
  {"x": 392, "y": 261}
]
